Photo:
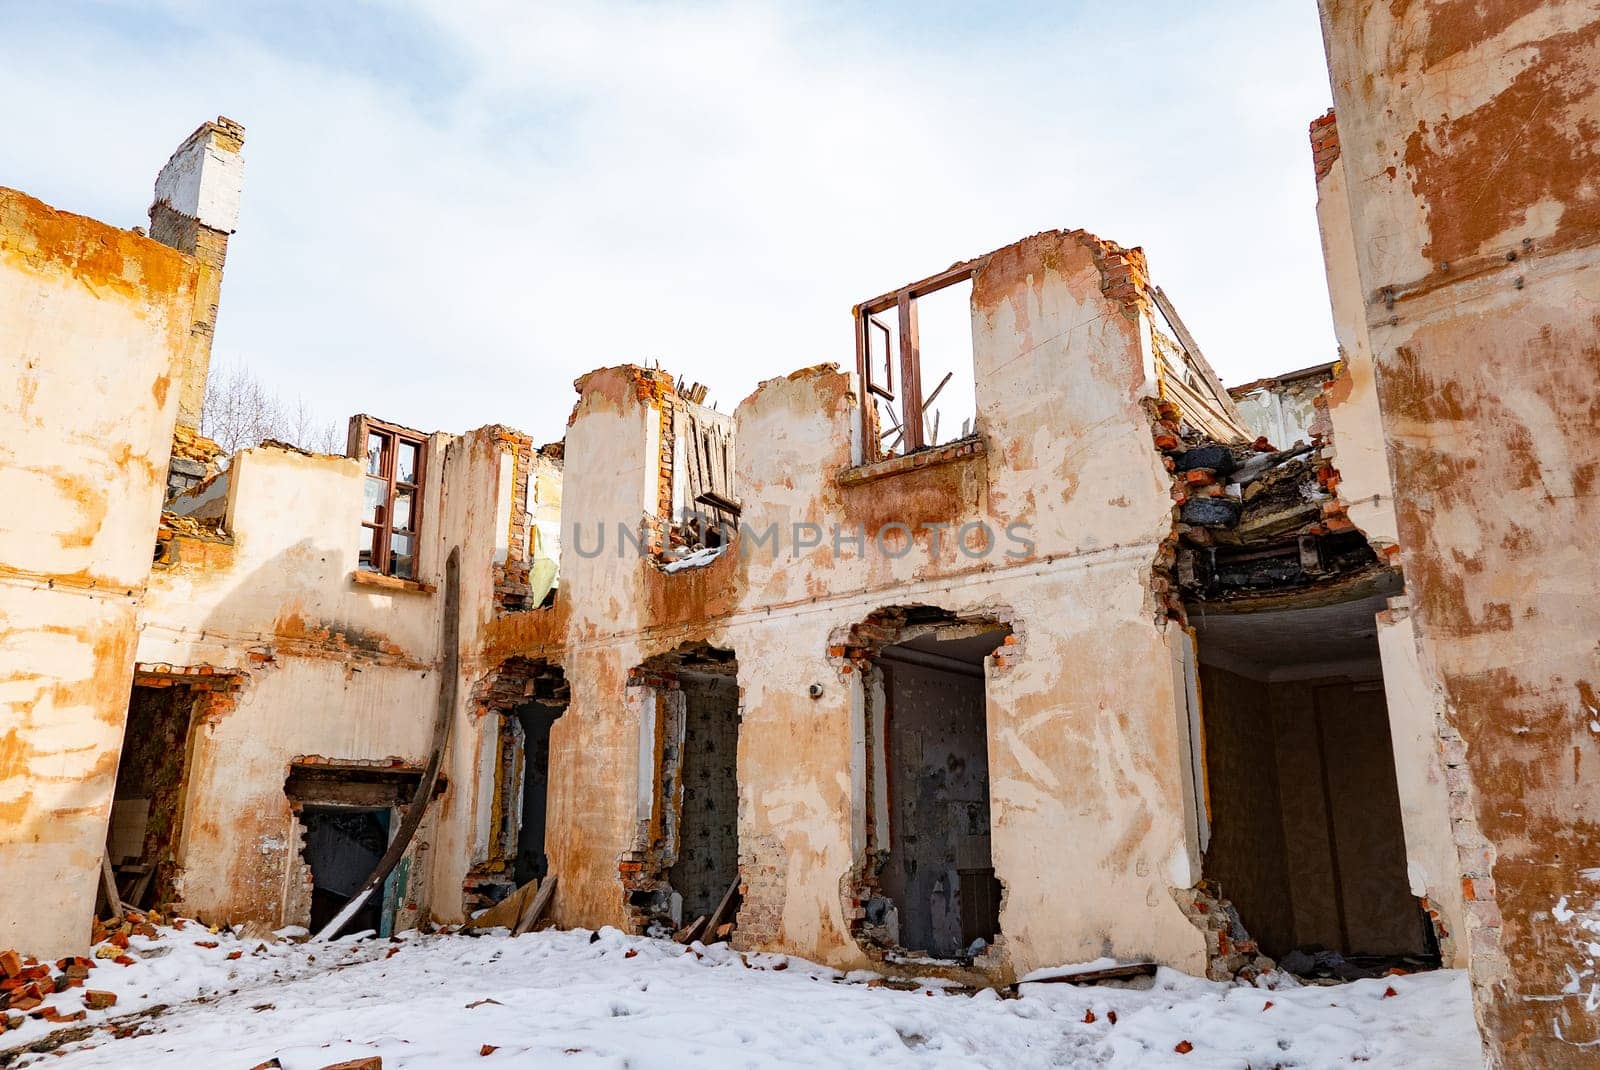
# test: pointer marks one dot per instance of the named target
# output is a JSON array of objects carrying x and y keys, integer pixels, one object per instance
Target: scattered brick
[{"x": 97, "y": 1000}]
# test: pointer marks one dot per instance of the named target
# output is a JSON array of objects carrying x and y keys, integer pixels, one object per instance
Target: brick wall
[{"x": 1324, "y": 143}]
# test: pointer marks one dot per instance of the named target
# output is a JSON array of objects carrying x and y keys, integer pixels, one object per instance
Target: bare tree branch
[{"x": 240, "y": 412}]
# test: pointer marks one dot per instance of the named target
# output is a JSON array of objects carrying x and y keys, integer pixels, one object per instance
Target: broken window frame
[
  {"x": 913, "y": 435},
  {"x": 379, "y": 534}
]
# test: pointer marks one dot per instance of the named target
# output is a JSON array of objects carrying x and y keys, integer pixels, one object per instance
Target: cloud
[{"x": 452, "y": 210}]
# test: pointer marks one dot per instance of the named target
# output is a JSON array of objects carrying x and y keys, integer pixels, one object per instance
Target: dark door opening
[
  {"x": 708, "y": 825},
  {"x": 342, "y": 847},
  {"x": 536, "y": 719},
  {"x": 687, "y": 844},
  {"x": 1307, "y": 840},
  {"x": 939, "y": 872},
  {"x": 147, "y": 811}
]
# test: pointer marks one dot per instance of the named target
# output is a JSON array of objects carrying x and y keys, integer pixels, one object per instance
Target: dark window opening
[
  {"x": 1306, "y": 835},
  {"x": 392, "y": 495}
]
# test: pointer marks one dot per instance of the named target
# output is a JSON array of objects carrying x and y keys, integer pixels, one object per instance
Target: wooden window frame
[
  {"x": 904, "y": 300},
  {"x": 380, "y": 535}
]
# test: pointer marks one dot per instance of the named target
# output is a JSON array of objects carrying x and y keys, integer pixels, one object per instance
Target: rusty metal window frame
[
  {"x": 913, "y": 435},
  {"x": 379, "y": 533}
]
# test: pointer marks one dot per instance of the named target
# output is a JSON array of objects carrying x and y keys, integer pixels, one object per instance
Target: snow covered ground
[{"x": 580, "y": 999}]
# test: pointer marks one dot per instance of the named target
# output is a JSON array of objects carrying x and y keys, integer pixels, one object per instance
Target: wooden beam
[
  {"x": 942, "y": 383},
  {"x": 108, "y": 878},
  {"x": 1090, "y": 977},
  {"x": 910, "y": 374},
  {"x": 922, "y": 287},
  {"x": 722, "y": 907},
  {"x": 1192, "y": 348},
  {"x": 690, "y": 931},
  {"x": 536, "y": 909},
  {"x": 717, "y": 501}
]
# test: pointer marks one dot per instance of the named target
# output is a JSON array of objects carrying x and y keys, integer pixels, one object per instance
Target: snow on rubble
[{"x": 191, "y": 997}]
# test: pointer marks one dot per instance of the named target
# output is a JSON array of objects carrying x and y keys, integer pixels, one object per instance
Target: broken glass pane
[
  {"x": 370, "y": 538},
  {"x": 375, "y": 495},
  {"x": 402, "y": 510},
  {"x": 406, "y": 463},
  {"x": 402, "y": 562},
  {"x": 375, "y": 453}
]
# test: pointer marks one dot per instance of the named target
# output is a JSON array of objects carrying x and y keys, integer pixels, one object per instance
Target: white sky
[{"x": 453, "y": 209}]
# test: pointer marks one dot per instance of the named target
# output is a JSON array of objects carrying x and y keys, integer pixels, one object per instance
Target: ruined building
[{"x": 1123, "y": 664}]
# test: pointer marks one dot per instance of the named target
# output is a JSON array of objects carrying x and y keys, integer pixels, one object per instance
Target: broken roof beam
[{"x": 1219, "y": 401}]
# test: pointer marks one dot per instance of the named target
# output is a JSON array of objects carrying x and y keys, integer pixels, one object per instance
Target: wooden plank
[
  {"x": 933, "y": 396},
  {"x": 721, "y": 453},
  {"x": 140, "y": 887},
  {"x": 1199, "y": 411},
  {"x": 922, "y": 287},
  {"x": 1192, "y": 348},
  {"x": 1090, "y": 977},
  {"x": 108, "y": 879},
  {"x": 687, "y": 433},
  {"x": 910, "y": 374},
  {"x": 722, "y": 907},
  {"x": 508, "y": 911},
  {"x": 536, "y": 909},
  {"x": 689, "y": 931},
  {"x": 717, "y": 501}
]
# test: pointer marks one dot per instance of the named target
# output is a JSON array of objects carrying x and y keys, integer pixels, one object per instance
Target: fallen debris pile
[{"x": 1256, "y": 520}]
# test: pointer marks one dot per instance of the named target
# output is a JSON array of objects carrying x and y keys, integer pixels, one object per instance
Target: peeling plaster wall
[
  {"x": 1467, "y": 130},
  {"x": 333, "y": 668},
  {"x": 93, "y": 326},
  {"x": 593, "y": 747},
  {"x": 1086, "y": 761},
  {"x": 1087, "y": 757},
  {"x": 1364, "y": 483},
  {"x": 1415, "y": 711},
  {"x": 1281, "y": 411}
]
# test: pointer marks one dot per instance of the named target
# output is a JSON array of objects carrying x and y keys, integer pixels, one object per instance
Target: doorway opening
[
  {"x": 684, "y": 869},
  {"x": 528, "y": 696},
  {"x": 928, "y": 887},
  {"x": 145, "y": 840},
  {"x": 342, "y": 847},
  {"x": 1307, "y": 840},
  {"x": 345, "y": 814}
]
